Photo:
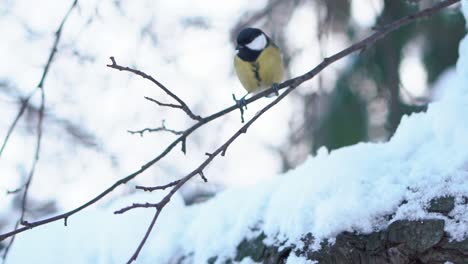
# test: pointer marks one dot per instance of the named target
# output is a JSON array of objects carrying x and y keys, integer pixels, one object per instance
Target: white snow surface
[
  {"x": 293, "y": 259},
  {"x": 350, "y": 189}
]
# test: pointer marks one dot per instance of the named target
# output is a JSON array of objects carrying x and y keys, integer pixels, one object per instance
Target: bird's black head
[
  {"x": 250, "y": 43},
  {"x": 247, "y": 35}
]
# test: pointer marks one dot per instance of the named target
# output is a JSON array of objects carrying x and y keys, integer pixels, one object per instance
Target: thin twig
[
  {"x": 24, "y": 103},
  {"x": 7, "y": 248},
  {"x": 182, "y": 104},
  {"x": 17, "y": 190},
  {"x": 202, "y": 175},
  {"x": 36, "y": 157},
  {"x": 171, "y": 184},
  {"x": 58, "y": 34},
  {"x": 137, "y": 205},
  {"x": 158, "y": 129},
  {"x": 162, "y": 187},
  {"x": 292, "y": 82},
  {"x": 162, "y": 104},
  {"x": 26, "y": 186},
  {"x": 143, "y": 241},
  {"x": 39, "y": 126},
  {"x": 40, "y": 85}
]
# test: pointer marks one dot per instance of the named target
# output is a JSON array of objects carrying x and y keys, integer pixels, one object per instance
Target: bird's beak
[{"x": 238, "y": 47}]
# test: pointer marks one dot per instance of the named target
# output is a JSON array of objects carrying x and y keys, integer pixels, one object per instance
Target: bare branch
[
  {"x": 182, "y": 104},
  {"x": 40, "y": 85},
  {"x": 158, "y": 129},
  {"x": 137, "y": 205},
  {"x": 162, "y": 187},
  {"x": 184, "y": 145},
  {"x": 199, "y": 169},
  {"x": 23, "y": 107},
  {"x": 143, "y": 241},
  {"x": 202, "y": 175},
  {"x": 76, "y": 132},
  {"x": 25, "y": 103},
  {"x": 7, "y": 248},
  {"x": 26, "y": 186},
  {"x": 36, "y": 157},
  {"x": 17, "y": 190},
  {"x": 292, "y": 84},
  {"x": 162, "y": 104},
  {"x": 58, "y": 34}
]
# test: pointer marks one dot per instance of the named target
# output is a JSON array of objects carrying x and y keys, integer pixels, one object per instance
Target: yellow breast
[{"x": 261, "y": 73}]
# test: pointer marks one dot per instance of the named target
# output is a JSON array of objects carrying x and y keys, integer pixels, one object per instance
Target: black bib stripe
[{"x": 256, "y": 70}]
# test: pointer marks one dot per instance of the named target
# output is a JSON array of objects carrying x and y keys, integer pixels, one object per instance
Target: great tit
[{"x": 258, "y": 61}]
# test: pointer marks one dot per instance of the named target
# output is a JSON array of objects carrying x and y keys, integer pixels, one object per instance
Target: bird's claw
[
  {"x": 275, "y": 87},
  {"x": 241, "y": 103}
]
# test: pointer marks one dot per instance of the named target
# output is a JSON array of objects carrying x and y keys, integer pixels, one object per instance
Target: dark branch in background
[
  {"x": 26, "y": 186},
  {"x": 40, "y": 86},
  {"x": 292, "y": 84},
  {"x": 36, "y": 157},
  {"x": 24, "y": 105},
  {"x": 75, "y": 131},
  {"x": 158, "y": 129},
  {"x": 182, "y": 105},
  {"x": 251, "y": 19}
]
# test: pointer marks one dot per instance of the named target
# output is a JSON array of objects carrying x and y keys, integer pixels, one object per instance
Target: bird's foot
[
  {"x": 241, "y": 103},
  {"x": 275, "y": 87}
]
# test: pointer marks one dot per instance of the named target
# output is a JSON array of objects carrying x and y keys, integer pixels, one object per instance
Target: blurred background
[{"x": 188, "y": 46}]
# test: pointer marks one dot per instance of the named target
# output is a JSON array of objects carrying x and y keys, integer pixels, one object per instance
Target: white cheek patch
[{"x": 258, "y": 43}]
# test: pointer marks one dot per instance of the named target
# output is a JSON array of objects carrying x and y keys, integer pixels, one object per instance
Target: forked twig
[{"x": 182, "y": 105}]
